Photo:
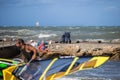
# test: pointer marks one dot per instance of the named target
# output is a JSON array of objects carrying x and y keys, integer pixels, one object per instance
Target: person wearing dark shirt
[
  {"x": 67, "y": 37},
  {"x": 28, "y": 52},
  {"x": 63, "y": 38}
]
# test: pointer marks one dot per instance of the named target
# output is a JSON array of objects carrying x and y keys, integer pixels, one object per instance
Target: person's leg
[
  {"x": 69, "y": 40},
  {"x": 66, "y": 40}
]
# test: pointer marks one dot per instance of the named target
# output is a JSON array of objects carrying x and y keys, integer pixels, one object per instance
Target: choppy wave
[
  {"x": 46, "y": 35},
  {"x": 95, "y": 40},
  {"x": 88, "y": 33},
  {"x": 26, "y": 32}
]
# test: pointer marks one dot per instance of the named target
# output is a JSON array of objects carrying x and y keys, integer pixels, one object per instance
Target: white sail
[{"x": 37, "y": 24}]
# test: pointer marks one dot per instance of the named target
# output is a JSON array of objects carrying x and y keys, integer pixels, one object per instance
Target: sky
[{"x": 60, "y": 12}]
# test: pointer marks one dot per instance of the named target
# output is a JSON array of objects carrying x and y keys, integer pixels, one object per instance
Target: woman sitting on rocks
[{"x": 42, "y": 49}]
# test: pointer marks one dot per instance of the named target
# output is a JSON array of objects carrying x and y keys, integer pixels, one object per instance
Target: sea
[
  {"x": 78, "y": 33},
  {"x": 108, "y": 71}
]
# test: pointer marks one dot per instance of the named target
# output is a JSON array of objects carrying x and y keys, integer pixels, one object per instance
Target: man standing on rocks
[{"x": 67, "y": 37}]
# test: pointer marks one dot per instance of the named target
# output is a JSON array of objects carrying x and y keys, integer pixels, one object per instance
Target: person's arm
[{"x": 31, "y": 48}]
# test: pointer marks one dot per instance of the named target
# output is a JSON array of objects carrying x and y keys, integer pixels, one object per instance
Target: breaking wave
[
  {"x": 46, "y": 35},
  {"x": 95, "y": 33}
]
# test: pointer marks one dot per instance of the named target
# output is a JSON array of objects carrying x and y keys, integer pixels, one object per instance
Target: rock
[
  {"x": 116, "y": 57},
  {"x": 116, "y": 52},
  {"x": 74, "y": 49},
  {"x": 9, "y": 52},
  {"x": 99, "y": 41},
  {"x": 86, "y": 49},
  {"x": 77, "y": 41}
]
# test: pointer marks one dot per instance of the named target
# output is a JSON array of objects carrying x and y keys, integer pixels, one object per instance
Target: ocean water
[
  {"x": 108, "y": 71},
  {"x": 88, "y": 33}
]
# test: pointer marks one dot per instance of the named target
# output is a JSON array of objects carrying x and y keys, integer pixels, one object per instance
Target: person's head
[
  {"x": 20, "y": 43},
  {"x": 43, "y": 42}
]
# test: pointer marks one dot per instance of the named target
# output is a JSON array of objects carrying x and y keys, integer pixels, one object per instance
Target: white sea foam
[
  {"x": 93, "y": 40},
  {"x": 115, "y": 40},
  {"x": 96, "y": 33},
  {"x": 26, "y": 32},
  {"x": 46, "y": 35},
  {"x": 4, "y": 31},
  {"x": 72, "y": 28},
  {"x": 9, "y": 36},
  {"x": 96, "y": 40}
]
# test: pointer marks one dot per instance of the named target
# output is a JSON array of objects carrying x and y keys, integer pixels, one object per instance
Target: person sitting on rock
[{"x": 42, "y": 48}]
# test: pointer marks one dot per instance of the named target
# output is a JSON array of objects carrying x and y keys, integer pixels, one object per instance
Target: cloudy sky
[{"x": 60, "y": 12}]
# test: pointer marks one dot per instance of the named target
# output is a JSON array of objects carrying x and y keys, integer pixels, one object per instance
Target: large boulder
[{"x": 9, "y": 52}]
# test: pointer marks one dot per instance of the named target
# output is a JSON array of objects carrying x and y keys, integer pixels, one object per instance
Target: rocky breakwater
[{"x": 84, "y": 49}]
